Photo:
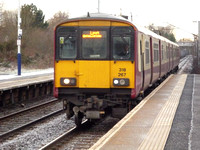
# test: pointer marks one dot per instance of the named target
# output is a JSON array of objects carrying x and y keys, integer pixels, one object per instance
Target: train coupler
[{"x": 94, "y": 114}]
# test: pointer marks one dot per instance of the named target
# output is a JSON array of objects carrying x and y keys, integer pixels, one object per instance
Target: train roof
[
  {"x": 103, "y": 16},
  {"x": 100, "y": 16},
  {"x": 152, "y": 34}
]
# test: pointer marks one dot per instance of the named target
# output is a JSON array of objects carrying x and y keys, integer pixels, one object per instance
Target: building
[{"x": 187, "y": 48}]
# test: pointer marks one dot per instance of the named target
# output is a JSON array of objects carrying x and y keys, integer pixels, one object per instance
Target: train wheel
[
  {"x": 69, "y": 111},
  {"x": 78, "y": 118}
]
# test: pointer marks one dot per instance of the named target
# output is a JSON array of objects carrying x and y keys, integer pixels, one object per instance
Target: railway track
[
  {"x": 83, "y": 137},
  {"x": 15, "y": 122},
  {"x": 184, "y": 63}
]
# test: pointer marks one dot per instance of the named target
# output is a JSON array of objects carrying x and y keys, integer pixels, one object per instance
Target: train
[{"x": 104, "y": 63}]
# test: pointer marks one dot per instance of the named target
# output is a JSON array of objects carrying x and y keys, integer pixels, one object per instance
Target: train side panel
[
  {"x": 170, "y": 57},
  {"x": 176, "y": 58},
  {"x": 164, "y": 60},
  {"x": 136, "y": 90},
  {"x": 155, "y": 60},
  {"x": 144, "y": 63},
  {"x": 139, "y": 54},
  {"x": 147, "y": 62}
]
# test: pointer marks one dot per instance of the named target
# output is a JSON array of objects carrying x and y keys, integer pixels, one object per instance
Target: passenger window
[
  {"x": 162, "y": 50},
  {"x": 167, "y": 52},
  {"x": 156, "y": 52},
  {"x": 147, "y": 52}
]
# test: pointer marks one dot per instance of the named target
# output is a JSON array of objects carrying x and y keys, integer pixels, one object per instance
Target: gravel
[
  {"x": 186, "y": 65},
  {"x": 39, "y": 135}
]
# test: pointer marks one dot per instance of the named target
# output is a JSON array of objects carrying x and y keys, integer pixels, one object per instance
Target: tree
[
  {"x": 34, "y": 34},
  {"x": 39, "y": 20},
  {"x": 32, "y": 17},
  {"x": 37, "y": 39},
  {"x": 57, "y": 18},
  {"x": 9, "y": 26},
  {"x": 166, "y": 32},
  {"x": 8, "y": 35},
  {"x": 171, "y": 37}
]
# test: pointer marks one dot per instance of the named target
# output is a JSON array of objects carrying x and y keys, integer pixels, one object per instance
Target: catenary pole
[
  {"x": 198, "y": 50},
  {"x": 98, "y": 6}
]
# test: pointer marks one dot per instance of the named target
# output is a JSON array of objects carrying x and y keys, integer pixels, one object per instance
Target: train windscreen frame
[
  {"x": 66, "y": 43},
  {"x": 122, "y": 43},
  {"x": 94, "y": 44}
]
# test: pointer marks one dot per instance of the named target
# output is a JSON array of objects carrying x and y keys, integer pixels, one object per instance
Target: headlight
[
  {"x": 68, "y": 81},
  {"x": 116, "y": 82},
  {"x": 121, "y": 82}
]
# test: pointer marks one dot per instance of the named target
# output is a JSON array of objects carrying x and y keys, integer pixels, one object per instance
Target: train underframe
[{"x": 96, "y": 103}]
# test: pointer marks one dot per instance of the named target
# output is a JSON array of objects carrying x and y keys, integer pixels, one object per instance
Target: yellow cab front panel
[
  {"x": 94, "y": 74},
  {"x": 88, "y": 55}
]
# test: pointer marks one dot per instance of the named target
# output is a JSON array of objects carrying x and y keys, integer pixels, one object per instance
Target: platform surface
[
  {"x": 16, "y": 82},
  {"x": 185, "y": 131},
  {"x": 160, "y": 121}
]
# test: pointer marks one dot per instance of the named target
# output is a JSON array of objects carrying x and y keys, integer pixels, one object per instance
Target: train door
[
  {"x": 147, "y": 64},
  {"x": 167, "y": 53},
  {"x": 142, "y": 64},
  {"x": 151, "y": 60},
  {"x": 170, "y": 57},
  {"x": 94, "y": 67},
  {"x": 160, "y": 58}
]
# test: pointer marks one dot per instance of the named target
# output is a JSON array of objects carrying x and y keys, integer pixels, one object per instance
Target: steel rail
[
  {"x": 71, "y": 131},
  {"x": 28, "y": 109},
  {"x": 6, "y": 134}
]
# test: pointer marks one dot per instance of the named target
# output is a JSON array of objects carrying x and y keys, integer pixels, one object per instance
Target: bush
[{"x": 37, "y": 39}]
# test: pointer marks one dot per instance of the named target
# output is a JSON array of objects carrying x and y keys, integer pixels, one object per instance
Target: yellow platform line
[
  {"x": 103, "y": 140},
  {"x": 158, "y": 134}
]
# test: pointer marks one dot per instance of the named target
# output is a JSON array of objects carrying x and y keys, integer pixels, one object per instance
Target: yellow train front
[{"x": 95, "y": 66}]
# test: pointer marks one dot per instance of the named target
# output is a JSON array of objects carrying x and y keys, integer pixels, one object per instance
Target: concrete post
[{"x": 198, "y": 50}]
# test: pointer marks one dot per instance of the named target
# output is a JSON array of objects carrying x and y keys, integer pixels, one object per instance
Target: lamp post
[
  {"x": 19, "y": 36},
  {"x": 198, "y": 43}
]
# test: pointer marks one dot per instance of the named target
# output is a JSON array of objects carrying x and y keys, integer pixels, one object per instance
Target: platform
[
  {"x": 18, "y": 82},
  {"x": 156, "y": 123},
  {"x": 22, "y": 88}
]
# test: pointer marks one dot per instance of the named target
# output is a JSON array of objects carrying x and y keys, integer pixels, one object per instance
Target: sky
[{"x": 180, "y": 13}]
